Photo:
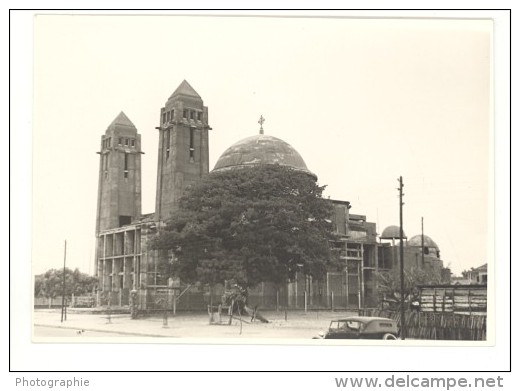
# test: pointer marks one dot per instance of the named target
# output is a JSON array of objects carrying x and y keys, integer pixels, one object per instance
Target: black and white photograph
[{"x": 289, "y": 179}]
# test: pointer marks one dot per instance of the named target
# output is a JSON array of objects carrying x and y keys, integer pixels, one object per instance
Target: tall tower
[
  {"x": 119, "y": 189},
  {"x": 183, "y": 156}
]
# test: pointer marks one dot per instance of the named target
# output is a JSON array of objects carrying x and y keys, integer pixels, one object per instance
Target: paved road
[{"x": 41, "y": 331}]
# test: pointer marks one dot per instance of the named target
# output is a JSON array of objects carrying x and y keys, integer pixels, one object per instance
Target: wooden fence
[
  {"x": 438, "y": 326},
  {"x": 461, "y": 299}
]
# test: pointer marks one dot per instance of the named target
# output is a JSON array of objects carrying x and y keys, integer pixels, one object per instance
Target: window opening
[
  {"x": 192, "y": 143},
  {"x": 124, "y": 220},
  {"x": 168, "y": 143},
  {"x": 164, "y": 118},
  {"x": 105, "y": 165},
  {"x": 126, "y": 166},
  {"x": 133, "y": 142},
  {"x": 185, "y": 114}
]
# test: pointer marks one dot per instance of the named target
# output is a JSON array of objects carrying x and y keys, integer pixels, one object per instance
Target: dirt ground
[{"x": 298, "y": 325}]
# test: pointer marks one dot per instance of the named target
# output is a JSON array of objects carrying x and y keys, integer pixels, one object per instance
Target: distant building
[{"x": 476, "y": 275}]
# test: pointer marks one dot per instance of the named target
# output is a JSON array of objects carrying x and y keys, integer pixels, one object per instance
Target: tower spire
[
  {"x": 183, "y": 150},
  {"x": 119, "y": 185}
]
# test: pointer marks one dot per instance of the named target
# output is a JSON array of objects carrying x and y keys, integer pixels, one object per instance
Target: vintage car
[{"x": 360, "y": 327}]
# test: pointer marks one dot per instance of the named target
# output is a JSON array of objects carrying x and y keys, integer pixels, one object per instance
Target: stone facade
[
  {"x": 124, "y": 259},
  {"x": 119, "y": 188},
  {"x": 183, "y": 155}
]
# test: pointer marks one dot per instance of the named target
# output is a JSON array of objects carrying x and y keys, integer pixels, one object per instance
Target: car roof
[{"x": 362, "y": 319}]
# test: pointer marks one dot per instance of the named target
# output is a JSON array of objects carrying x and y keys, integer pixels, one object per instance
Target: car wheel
[{"x": 389, "y": 336}]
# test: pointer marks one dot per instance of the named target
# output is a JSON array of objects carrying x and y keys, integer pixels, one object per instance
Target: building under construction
[{"x": 125, "y": 261}]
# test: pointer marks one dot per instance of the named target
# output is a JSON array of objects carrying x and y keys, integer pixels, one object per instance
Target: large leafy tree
[
  {"x": 256, "y": 224},
  {"x": 50, "y": 283}
]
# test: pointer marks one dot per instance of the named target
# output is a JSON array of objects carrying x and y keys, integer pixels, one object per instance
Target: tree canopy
[
  {"x": 256, "y": 224},
  {"x": 50, "y": 283}
]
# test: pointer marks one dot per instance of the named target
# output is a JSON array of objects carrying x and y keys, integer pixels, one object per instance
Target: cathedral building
[{"x": 126, "y": 262}]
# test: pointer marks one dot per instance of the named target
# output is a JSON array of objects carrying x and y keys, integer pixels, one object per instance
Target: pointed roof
[
  {"x": 185, "y": 89},
  {"x": 121, "y": 119}
]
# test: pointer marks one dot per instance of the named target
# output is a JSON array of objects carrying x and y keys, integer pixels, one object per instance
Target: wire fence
[{"x": 199, "y": 301}]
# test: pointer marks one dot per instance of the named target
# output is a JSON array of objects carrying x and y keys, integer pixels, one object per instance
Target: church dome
[
  {"x": 261, "y": 149},
  {"x": 392, "y": 232},
  {"x": 415, "y": 241}
]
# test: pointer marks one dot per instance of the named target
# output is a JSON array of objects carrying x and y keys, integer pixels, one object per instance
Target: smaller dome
[
  {"x": 415, "y": 241},
  {"x": 392, "y": 232}
]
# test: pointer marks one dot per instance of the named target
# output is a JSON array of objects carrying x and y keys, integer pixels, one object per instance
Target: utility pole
[
  {"x": 422, "y": 242},
  {"x": 401, "y": 254},
  {"x": 63, "y": 291}
]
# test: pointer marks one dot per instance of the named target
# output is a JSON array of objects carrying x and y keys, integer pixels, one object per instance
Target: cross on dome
[{"x": 261, "y": 122}]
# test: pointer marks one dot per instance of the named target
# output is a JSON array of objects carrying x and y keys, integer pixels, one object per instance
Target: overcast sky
[{"x": 362, "y": 100}]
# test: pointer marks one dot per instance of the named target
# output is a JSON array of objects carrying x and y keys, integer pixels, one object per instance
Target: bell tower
[
  {"x": 183, "y": 156},
  {"x": 119, "y": 188}
]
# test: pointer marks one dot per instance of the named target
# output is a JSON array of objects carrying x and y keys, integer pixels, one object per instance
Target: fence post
[
  {"x": 133, "y": 304},
  {"x": 469, "y": 301},
  {"x": 434, "y": 300},
  {"x": 174, "y": 303},
  {"x": 165, "y": 316},
  {"x": 305, "y": 300},
  {"x": 332, "y": 300},
  {"x": 109, "y": 314},
  {"x": 278, "y": 299}
]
